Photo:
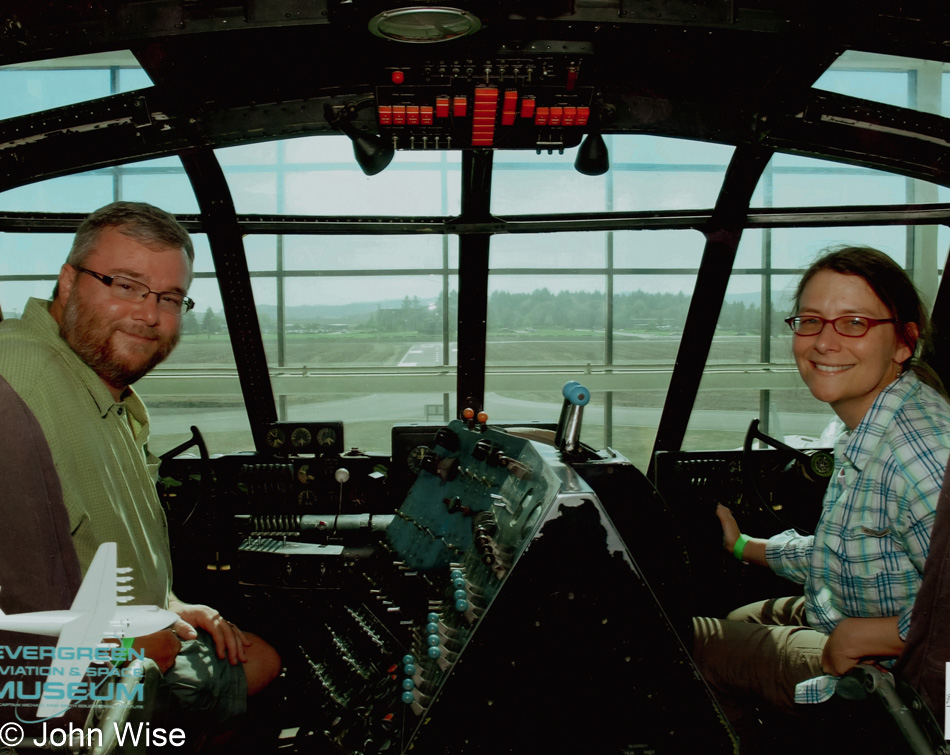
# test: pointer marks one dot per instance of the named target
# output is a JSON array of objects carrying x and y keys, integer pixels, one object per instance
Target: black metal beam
[
  {"x": 473, "y": 282},
  {"x": 148, "y": 124},
  {"x": 719, "y": 254},
  {"x": 770, "y": 217},
  {"x": 227, "y": 249}
]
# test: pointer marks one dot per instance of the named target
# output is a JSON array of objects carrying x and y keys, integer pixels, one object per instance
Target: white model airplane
[{"x": 94, "y": 615}]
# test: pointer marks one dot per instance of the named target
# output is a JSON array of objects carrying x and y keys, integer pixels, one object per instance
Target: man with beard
[{"x": 116, "y": 313}]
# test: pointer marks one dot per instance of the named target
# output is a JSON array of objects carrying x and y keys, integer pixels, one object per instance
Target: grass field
[{"x": 547, "y": 347}]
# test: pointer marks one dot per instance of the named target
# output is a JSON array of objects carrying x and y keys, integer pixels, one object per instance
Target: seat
[
  {"x": 923, "y": 663},
  {"x": 39, "y": 571},
  {"x": 915, "y": 691}
]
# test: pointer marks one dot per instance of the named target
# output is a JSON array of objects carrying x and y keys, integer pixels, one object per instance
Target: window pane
[
  {"x": 794, "y": 181},
  {"x": 545, "y": 319},
  {"x": 359, "y": 321},
  {"x": 80, "y": 193},
  {"x": 221, "y": 418},
  {"x": 162, "y": 183},
  {"x": 878, "y": 86},
  {"x": 646, "y": 173},
  {"x": 657, "y": 249},
  {"x": 364, "y": 252},
  {"x": 649, "y": 314},
  {"x": 776, "y": 396},
  {"x": 31, "y": 91},
  {"x": 319, "y": 176},
  {"x": 552, "y": 250},
  {"x": 46, "y": 84},
  {"x": 535, "y": 186}
]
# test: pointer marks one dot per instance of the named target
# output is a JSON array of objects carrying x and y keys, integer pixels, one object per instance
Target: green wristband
[
  {"x": 123, "y": 654},
  {"x": 738, "y": 548}
]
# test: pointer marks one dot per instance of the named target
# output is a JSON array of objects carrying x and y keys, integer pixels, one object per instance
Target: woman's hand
[
  {"x": 754, "y": 550},
  {"x": 730, "y": 528}
]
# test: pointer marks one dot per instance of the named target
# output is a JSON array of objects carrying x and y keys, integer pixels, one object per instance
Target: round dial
[
  {"x": 326, "y": 437},
  {"x": 303, "y": 475},
  {"x": 307, "y": 499},
  {"x": 415, "y": 458},
  {"x": 301, "y": 437},
  {"x": 275, "y": 437}
]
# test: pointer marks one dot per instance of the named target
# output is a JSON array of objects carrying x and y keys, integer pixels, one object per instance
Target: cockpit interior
[{"x": 490, "y": 302}]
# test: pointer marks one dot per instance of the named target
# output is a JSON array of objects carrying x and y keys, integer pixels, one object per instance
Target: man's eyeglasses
[
  {"x": 851, "y": 326},
  {"x": 133, "y": 290}
]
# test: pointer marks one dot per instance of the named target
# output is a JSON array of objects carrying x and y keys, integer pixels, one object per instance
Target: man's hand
[
  {"x": 162, "y": 647},
  {"x": 856, "y": 641},
  {"x": 229, "y": 641}
]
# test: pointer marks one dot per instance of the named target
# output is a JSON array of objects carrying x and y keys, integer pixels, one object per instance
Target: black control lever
[
  {"x": 196, "y": 440},
  {"x": 567, "y": 438},
  {"x": 815, "y": 468}
]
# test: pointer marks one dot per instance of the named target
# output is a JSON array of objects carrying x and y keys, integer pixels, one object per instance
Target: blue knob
[
  {"x": 456, "y": 573},
  {"x": 432, "y": 640},
  {"x": 576, "y": 393},
  {"x": 433, "y": 652},
  {"x": 461, "y": 606},
  {"x": 407, "y": 697},
  {"x": 409, "y": 669},
  {"x": 460, "y": 595},
  {"x": 432, "y": 617},
  {"x": 408, "y": 658},
  {"x": 458, "y": 582},
  {"x": 408, "y": 684},
  {"x": 432, "y": 628}
]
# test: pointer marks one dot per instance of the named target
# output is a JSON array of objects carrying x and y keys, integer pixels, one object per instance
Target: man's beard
[{"x": 90, "y": 336}]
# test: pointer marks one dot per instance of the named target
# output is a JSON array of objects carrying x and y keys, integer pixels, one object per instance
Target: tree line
[{"x": 540, "y": 309}]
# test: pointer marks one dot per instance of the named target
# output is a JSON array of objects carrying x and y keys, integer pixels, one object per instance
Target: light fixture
[
  {"x": 371, "y": 151},
  {"x": 592, "y": 156},
  {"x": 423, "y": 24}
]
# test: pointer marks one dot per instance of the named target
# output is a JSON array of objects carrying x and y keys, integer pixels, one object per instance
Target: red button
[{"x": 398, "y": 77}]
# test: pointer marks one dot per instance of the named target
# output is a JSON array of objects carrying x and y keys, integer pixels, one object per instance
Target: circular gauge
[
  {"x": 415, "y": 458},
  {"x": 424, "y": 24},
  {"x": 307, "y": 499},
  {"x": 326, "y": 437},
  {"x": 275, "y": 437},
  {"x": 303, "y": 475},
  {"x": 301, "y": 437}
]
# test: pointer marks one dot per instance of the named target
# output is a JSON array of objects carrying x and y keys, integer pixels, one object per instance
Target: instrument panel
[
  {"x": 466, "y": 602},
  {"x": 305, "y": 437},
  {"x": 516, "y": 101}
]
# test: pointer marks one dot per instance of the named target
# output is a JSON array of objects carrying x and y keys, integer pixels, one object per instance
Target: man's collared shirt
[
  {"x": 867, "y": 556},
  {"x": 99, "y": 447}
]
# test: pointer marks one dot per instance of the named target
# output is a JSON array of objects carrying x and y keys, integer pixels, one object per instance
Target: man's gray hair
[
  {"x": 143, "y": 222},
  {"x": 147, "y": 224}
]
